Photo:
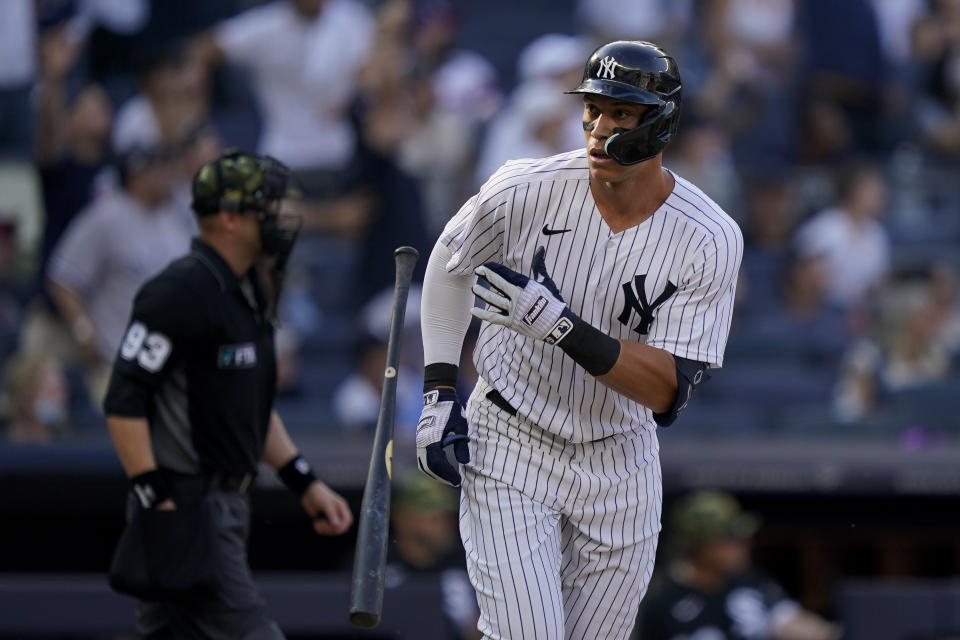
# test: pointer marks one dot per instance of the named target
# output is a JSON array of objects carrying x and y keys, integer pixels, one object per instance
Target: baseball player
[{"x": 606, "y": 287}]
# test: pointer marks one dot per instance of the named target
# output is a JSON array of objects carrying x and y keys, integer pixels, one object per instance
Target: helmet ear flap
[{"x": 647, "y": 139}]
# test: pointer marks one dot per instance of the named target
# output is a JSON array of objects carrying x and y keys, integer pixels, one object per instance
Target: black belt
[
  {"x": 229, "y": 482},
  {"x": 195, "y": 484},
  {"x": 494, "y": 396}
]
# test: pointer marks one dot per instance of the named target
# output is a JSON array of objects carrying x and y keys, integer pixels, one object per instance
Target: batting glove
[
  {"x": 531, "y": 307},
  {"x": 441, "y": 424}
]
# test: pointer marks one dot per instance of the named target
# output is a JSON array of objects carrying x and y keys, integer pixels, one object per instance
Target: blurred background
[{"x": 829, "y": 129}]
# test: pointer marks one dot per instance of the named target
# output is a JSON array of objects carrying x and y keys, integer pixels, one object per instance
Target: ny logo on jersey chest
[{"x": 635, "y": 299}]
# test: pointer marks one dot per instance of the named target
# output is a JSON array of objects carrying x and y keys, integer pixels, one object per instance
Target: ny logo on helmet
[{"x": 607, "y": 68}]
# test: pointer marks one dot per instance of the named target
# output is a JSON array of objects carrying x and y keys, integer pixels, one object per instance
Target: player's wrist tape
[
  {"x": 589, "y": 347},
  {"x": 439, "y": 374},
  {"x": 149, "y": 488},
  {"x": 297, "y": 475}
]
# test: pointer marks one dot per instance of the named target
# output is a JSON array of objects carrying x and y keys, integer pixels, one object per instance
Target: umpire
[{"x": 190, "y": 412}]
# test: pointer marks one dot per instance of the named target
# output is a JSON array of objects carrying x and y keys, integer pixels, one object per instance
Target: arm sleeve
[
  {"x": 158, "y": 334},
  {"x": 77, "y": 261},
  {"x": 476, "y": 233},
  {"x": 695, "y": 322},
  {"x": 444, "y": 309}
]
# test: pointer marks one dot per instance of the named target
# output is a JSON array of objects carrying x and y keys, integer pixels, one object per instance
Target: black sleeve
[{"x": 166, "y": 321}]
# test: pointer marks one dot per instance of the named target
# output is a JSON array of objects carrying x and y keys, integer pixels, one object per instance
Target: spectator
[
  {"x": 172, "y": 103},
  {"x": 746, "y": 85},
  {"x": 770, "y": 220},
  {"x": 18, "y": 33},
  {"x": 849, "y": 236},
  {"x": 539, "y": 120},
  {"x": 13, "y": 288},
  {"x": 710, "y": 589},
  {"x": 36, "y": 397},
  {"x": 702, "y": 154},
  {"x": 463, "y": 81},
  {"x": 109, "y": 250},
  {"x": 73, "y": 134},
  {"x": 356, "y": 400},
  {"x": 936, "y": 46},
  {"x": 660, "y": 21},
  {"x": 844, "y": 79},
  {"x": 425, "y": 543},
  {"x": 802, "y": 325},
  {"x": 198, "y": 147},
  {"x": 557, "y": 59},
  {"x": 533, "y": 125},
  {"x": 429, "y": 125},
  {"x": 906, "y": 350},
  {"x": 305, "y": 57}
]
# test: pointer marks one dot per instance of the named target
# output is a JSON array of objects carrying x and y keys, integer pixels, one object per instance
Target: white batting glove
[
  {"x": 529, "y": 307},
  {"x": 442, "y": 424}
]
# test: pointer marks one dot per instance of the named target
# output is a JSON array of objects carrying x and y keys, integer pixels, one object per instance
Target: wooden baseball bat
[{"x": 370, "y": 558}]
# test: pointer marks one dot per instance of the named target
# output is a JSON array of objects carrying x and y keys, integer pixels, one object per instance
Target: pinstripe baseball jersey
[{"x": 668, "y": 282}]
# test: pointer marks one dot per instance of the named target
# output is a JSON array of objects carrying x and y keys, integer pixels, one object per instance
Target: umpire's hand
[
  {"x": 442, "y": 424},
  {"x": 330, "y": 512}
]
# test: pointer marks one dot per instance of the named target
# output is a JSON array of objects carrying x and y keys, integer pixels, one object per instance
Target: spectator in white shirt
[
  {"x": 304, "y": 57},
  {"x": 849, "y": 236},
  {"x": 109, "y": 250}
]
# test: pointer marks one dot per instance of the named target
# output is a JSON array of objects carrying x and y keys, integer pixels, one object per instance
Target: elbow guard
[{"x": 690, "y": 374}]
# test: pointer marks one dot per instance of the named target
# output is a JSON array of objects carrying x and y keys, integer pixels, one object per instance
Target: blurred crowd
[{"x": 829, "y": 130}]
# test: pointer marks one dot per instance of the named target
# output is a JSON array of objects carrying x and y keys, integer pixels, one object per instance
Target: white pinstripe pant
[{"x": 560, "y": 537}]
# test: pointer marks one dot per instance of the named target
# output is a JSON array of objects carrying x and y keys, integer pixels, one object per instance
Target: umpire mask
[{"x": 239, "y": 181}]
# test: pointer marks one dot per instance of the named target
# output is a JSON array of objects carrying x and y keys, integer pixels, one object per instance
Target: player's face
[
  {"x": 601, "y": 117},
  {"x": 726, "y": 556}
]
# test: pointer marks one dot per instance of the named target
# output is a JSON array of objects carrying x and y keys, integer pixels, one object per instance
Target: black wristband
[
  {"x": 297, "y": 475},
  {"x": 591, "y": 348},
  {"x": 439, "y": 374},
  {"x": 149, "y": 488}
]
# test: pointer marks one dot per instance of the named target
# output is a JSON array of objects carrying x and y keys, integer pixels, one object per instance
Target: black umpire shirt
[{"x": 198, "y": 362}]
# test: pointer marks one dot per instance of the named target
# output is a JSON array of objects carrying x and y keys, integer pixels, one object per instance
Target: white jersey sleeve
[
  {"x": 476, "y": 233},
  {"x": 695, "y": 323}
]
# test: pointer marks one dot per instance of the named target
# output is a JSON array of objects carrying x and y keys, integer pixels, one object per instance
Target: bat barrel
[{"x": 366, "y": 590}]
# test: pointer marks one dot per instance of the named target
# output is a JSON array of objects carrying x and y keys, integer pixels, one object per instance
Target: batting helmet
[{"x": 642, "y": 73}]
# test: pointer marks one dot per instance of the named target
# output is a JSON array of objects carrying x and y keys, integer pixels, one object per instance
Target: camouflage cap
[
  {"x": 240, "y": 181},
  {"x": 703, "y": 516},
  {"x": 416, "y": 492}
]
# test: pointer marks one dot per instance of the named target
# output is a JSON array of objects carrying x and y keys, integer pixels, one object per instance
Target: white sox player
[{"x": 606, "y": 285}]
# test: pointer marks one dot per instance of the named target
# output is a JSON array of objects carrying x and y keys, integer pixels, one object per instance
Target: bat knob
[
  {"x": 364, "y": 619},
  {"x": 406, "y": 250}
]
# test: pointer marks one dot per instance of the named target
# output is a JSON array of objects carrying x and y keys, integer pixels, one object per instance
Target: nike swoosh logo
[{"x": 553, "y": 232}]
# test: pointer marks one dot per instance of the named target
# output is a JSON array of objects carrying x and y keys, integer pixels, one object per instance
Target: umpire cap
[
  {"x": 703, "y": 516},
  {"x": 241, "y": 181}
]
